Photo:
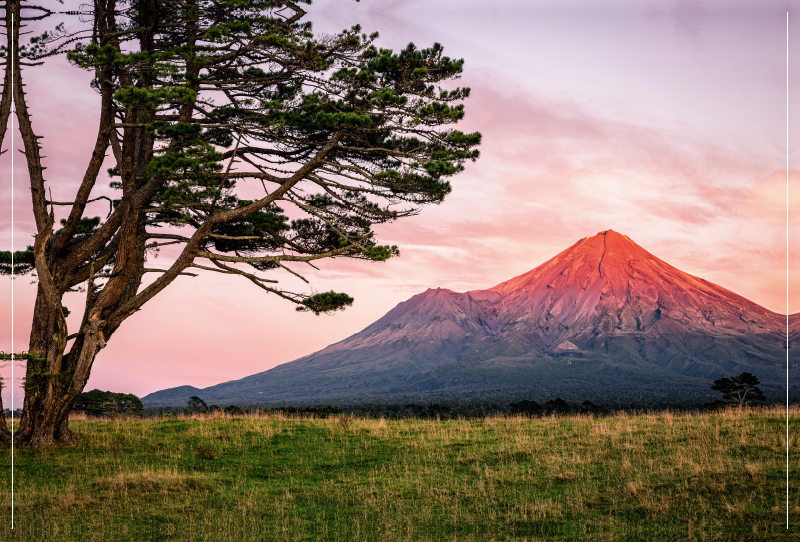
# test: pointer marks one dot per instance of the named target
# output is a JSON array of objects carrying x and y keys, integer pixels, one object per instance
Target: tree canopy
[
  {"x": 195, "y": 405},
  {"x": 741, "y": 389},
  {"x": 108, "y": 403},
  {"x": 241, "y": 139}
]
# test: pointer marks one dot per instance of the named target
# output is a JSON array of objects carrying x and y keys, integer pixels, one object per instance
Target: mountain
[{"x": 602, "y": 320}]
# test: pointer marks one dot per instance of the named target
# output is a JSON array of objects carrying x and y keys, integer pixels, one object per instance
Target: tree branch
[
  {"x": 110, "y": 203},
  {"x": 101, "y": 144},
  {"x": 29, "y": 139},
  {"x": 165, "y": 270}
]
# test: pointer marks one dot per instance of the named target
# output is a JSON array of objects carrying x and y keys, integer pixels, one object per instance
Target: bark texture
[{"x": 5, "y": 113}]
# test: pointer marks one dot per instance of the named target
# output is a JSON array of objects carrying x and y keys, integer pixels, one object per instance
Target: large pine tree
[{"x": 332, "y": 129}]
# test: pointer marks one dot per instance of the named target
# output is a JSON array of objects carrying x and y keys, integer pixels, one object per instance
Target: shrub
[{"x": 107, "y": 403}]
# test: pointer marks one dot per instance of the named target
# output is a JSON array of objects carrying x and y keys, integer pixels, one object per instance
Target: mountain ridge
[{"x": 602, "y": 306}]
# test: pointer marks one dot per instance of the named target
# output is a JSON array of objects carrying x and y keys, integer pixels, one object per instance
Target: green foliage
[
  {"x": 252, "y": 234},
  {"x": 34, "y": 378},
  {"x": 85, "y": 228},
  {"x": 39, "y": 377},
  {"x": 107, "y": 403},
  {"x": 386, "y": 111},
  {"x": 381, "y": 253},
  {"x": 20, "y": 356},
  {"x": 326, "y": 302},
  {"x": 24, "y": 262},
  {"x": 150, "y": 99}
]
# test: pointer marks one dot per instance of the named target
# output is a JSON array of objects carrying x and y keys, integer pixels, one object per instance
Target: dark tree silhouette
[
  {"x": 741, "y": 390},
  {"x": 233, "y": 410},
  {"x": 195, "y": 405},
  {"x": 531, "y": 408},
  {"x": 558, "y": 405},
  {"x": 587, "y": 407}
]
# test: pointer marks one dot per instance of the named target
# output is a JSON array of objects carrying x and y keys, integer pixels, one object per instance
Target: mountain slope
[{"x": 604, "y": 314}]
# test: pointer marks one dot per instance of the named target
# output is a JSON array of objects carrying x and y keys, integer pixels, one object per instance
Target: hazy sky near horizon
[{"x": 665, "y": 121}]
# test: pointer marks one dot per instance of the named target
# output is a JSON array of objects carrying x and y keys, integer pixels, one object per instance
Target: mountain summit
[
  {"x": 608, "y": 283},
  {"x": 604, "y": 318}
]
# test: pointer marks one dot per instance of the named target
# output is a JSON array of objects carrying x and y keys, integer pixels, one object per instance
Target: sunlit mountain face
[
  {"x": 609, "y": 284},
  {"x": 603, "y": 320}
]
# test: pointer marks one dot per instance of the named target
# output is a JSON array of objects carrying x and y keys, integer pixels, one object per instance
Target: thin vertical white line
[
  {"x": 787, "y": 269},
  {"x": 12, "y": 266}
]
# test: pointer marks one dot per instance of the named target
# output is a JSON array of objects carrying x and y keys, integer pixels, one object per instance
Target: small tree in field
[
  {"x": 741, "y": 390},
  {"x": 195, "y": 405},
  {"x": 330, "y": 135}
]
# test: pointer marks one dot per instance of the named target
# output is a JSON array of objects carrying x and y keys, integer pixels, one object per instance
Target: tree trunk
[
  {"x": 48, "y": 402},
  {"x": 5, "y": 433},
  {"x": 53, "y": 380}
]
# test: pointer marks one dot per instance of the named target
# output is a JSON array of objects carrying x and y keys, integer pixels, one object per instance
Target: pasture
[{"x": 258, "y": 477}]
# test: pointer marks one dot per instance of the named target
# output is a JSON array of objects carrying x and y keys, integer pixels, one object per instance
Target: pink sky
[{"x": 665, "y": 121}]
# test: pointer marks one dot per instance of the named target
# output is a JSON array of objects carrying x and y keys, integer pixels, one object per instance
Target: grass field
[{"x": 661, "y": 476}]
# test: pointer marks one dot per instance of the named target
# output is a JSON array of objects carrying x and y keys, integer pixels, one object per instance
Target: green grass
[{"x": 648, "y": 477}]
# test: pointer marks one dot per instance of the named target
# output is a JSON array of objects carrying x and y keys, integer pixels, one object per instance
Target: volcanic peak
[
  {"x": 611, "y": 275},
  {"x": 605, "y": 284},
  {"x": 602, "y": 313}
]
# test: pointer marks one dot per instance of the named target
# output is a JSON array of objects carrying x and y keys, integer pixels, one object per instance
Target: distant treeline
[
  {"x": 106, "y": 403},
  {"x": 623, "y": 398},
  {"x": 441, "y": 410},
  {"x": 433, "y": 410}
]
